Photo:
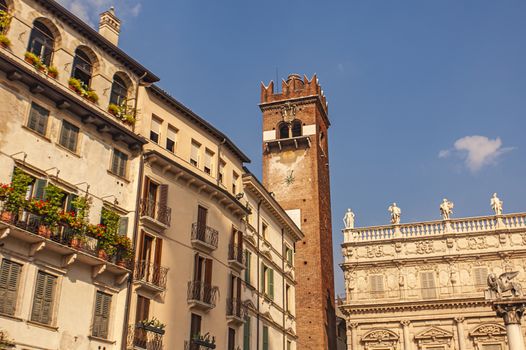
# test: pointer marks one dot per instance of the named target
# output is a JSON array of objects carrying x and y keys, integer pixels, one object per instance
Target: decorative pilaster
[
  {"x": 511, "y": 311},
  {"x": 353, "y": 328},
  {"x": 460, "y": 333},
  {"x": 405, "y": 327}
]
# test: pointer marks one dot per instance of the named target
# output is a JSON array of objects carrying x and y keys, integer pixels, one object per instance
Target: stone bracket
[
  {"x": 97, "y": 270},
  {"x": 122, "y": 278},
  {"x": 69, "y": 259},
  {"x": 36, "y": 247},
  {"x": 4, "y": 233}
]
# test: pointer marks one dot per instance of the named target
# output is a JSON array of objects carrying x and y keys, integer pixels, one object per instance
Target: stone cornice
[{"x": 304, "y": 100}]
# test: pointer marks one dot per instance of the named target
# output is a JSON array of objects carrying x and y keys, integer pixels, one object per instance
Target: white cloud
[
  {"x": 477, "y": 151},
  {"x": 89, "y": 10}
]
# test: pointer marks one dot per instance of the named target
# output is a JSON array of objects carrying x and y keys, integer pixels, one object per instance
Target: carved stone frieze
[{"x": 424, "y": 247}]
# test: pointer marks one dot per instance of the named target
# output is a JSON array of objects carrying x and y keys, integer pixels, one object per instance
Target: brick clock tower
[{"x": 296, "y": 171}]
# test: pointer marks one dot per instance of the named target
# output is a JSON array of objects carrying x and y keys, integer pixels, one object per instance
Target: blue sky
[{"x": 426, "y": 98}]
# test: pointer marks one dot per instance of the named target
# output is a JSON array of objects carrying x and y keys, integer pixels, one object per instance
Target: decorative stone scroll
[
  {"x": 434, "y": 336},
  {"x": 380, "y": 338}
]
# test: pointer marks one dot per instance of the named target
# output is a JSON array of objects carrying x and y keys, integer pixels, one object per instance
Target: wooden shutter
[
  {"x": 231, "y": 338},
  {"x": 163, "y": 195},
  {"x": 246, "y": 334},
  {"x": 271, "y": 283},
  {"x": 158, "y": 251},
  {"x": 197, "y": 274},
  {"x": 102, "y": 315},
  {"x": 201, "y": 216},
  {"x": 208, "y": 272},
  {"x": 427, "y": 283},
  {"x": 146, "y": 187},
  {"x": 40, "y": 185},
  {"x": 263, "y": 277},
  {"x": 143, "y": 309},
  {"x": 247, "y": 265},
  {"x": 265, "y": 338},
  {"x": 9, "y": 280},
  {"x": 123, "y": 225},
  {"x": 238, "y": 292},
  {"x": 43, "y": 298},
  {"x": 195, "y": 325}
]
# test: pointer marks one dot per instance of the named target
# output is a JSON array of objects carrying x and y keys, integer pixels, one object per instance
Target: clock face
[{"x": 289, "y": 179}]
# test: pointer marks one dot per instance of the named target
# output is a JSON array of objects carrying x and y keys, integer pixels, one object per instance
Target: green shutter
[
  {"x": 246, "y": 334},
  {"x": 43, "y": 298},
  {"x": 265, "y": 338},
  {"x": 247, "y": 265},
  {"x": 102, "y": 315},
  {"x": 271, "y": 283},
  {"x": 9, "y": 278},
  {"x": 262, "y": 276}
]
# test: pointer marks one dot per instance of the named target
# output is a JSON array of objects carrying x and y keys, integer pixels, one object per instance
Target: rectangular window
[
  {"x": 69, "y": 135},
  {"x": 289, "y": 255},
  {"x": 265, "y": 338},
  {"x": 480, "y": 276},
  {"x": 38, "y": 117},
  {"x": 231, "y": 338},
  {"x": 491, "y": 347},
  {"x": 235, "y": 180},
  {"x": 44, "y": 297},
  {"x": 9, "y": 281},
  {"x": 171, "y": 137},
  {"x": 377, "y": 285},
  {"x": 222, "y": 171},
  {"x": 195, "y": 327},
  {"x": 209, "y": 156},
  {"x": 248, "y": 258},
  {"x": 267, "y": 281},
  {"x": 194, "y": 155},
  {"x": 246, "y": 334},
  {"x": 287, "y": 298},
  {"x": 102, "y": 315},
  {"x": 427, "y": 283},
  {"x": 155, "y": 129},
  {"x": 264, "y": 231},
  {"x": 118, "y": 163}
]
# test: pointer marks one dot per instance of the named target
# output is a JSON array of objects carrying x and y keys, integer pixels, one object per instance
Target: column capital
[
  {"x": 405, "y": 323},
  {"x": 352, "y": 325},
  {"x": 459, "y": 319},
  {"x": 510, "y": 310}
]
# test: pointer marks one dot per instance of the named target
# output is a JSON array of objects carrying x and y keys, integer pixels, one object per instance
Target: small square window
[
  {"x": 69, "y": 135},
  {"x": 171, "y": 136},
  {"x": 155, "y": 129},
  {"x": 38, "y": 117},
  {"x": 118, "y": 163},
  {"x": 194, "y": 156}
]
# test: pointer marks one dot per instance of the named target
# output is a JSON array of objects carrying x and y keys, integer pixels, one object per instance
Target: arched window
[
  {"x": 82, "y": 67},
  {"x": 41, "y": 42},
  {"x": 119, "y": 91},
  {"x": 296, "y": 128},
  {"x": 283, "y": 131}
]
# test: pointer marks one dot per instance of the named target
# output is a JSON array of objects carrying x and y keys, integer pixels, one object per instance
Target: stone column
[
  {"x": 460, "y": 333},
  {"x": 407, "y": 341},
  {"x": 353, "y": 328},
  {"x": 511, "y": 311}
]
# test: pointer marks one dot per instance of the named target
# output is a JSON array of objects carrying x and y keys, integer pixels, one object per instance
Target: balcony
[
  {"x": 201, "y": 295},
  {"x": 204, "y": 237},
  {"x": 197, "y": 345},
  {"x": 236, "y": 257},
  {"x": 144, "y": 339},
  {"x": 151, "y": 276},
  {"x": 155, "y": 215},
  {"x": 236, "y": 311}
]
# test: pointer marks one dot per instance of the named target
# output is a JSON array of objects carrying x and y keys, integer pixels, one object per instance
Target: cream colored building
[
  {"x": 421, "y": 285},
  {"x": 55, "y": 294},
  {"x": 269, "y": 276}
]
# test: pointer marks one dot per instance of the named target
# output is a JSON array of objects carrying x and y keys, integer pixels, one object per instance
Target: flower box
[{"x": 149, "y": 328}]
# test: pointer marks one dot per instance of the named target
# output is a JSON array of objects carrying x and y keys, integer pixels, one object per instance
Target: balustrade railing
[
  {"x": 203, "y": 292},
  {"x": 452, "y": 226},
  {"x": 236, "y": 308},
  {"x": 160, "y": 213},
  {"x": 205, "y": 234},
  {"x": 140, "y": 338},
  {"x": 149, "y": 272}
]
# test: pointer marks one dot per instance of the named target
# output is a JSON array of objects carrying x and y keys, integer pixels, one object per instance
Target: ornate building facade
[
  {"x": 296, "y": 171},
  {"x": 420, "y": 286}
]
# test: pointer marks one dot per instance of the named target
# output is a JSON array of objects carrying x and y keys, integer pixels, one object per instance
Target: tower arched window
[
  {"x": 82, "y": 67},
  {"x": 119, "y": 91},
  {"x": 41, "y": 42},
  {"x": 296, "y": 128},
  {"x": 283, "y": 131}
]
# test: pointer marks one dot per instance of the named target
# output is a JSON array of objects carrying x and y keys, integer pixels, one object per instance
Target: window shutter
[
  {"x": 9, "y": 279},
  {"x": 43, "y": 298},
  {"x": 481, "y": 276},
  {"x": 263, "y": 277},
  {"x": 247, "y": 266},
  {"x": 246, "y": 334},
  {"x": 123, "y": 225},
  {"x": 40, "y": 185},
  {"x": 163, "y": 195},
  {"x": 102, "y": 315},
  {"x": 208, "y": 272},
  {"x": 427, "y": 283},
  {"x": 265, "y": 338},
  {"x": 271, "y": 283},
  {"x": 377, "y": 285}
]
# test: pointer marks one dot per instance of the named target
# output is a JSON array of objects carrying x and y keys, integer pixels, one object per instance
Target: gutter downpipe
[
  {"x": 285, "y": 305},
  {"x": 124, "y": 339},
  {"x": 258, "y": 276}
]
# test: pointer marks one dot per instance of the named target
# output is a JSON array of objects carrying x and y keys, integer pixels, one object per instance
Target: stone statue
[
  {"x": 496, "y": 204},
  {"x": 446, "y": 208},
  {"x": 504, "y": 283},
  {"x": 395, "y": 213},
  {"x": 348, "y": 219}
]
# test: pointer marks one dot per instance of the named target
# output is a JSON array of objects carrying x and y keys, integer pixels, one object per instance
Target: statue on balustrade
[
  {"x": 446, "y": 209},
  {"x": 395, "y": 214},
  {"x": 496, "y": 204},
  {"x": 348, "y": 219},
  {"x": 503, "y": 284}
]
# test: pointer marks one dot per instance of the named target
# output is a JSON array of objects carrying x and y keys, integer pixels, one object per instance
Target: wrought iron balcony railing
[
  {"x": 151, "y": 273},
  {"x": 236, "y": 308},
  {"x": 235, "y": 253},
  {"x": 159, "y": 213},
  {"x": 202, "y": 293},
  {"x": 141, "y": 338},
  {"x": 205, "y": 234},
  {"x": 195, "y": 345}
]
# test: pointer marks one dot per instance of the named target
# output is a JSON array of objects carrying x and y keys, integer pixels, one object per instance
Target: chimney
[{"x": 110, "y": 26}]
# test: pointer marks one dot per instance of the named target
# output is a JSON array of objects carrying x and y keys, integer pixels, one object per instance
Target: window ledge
[
  {"x": 42, "y": 325},
  {"x": 75, "y": 154},
  {"x": 44, "y": 137},
  {"x": 102, "y": 340},
  {"x": 118, "y": 176},
  {"x": 11, "y": 317}
]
